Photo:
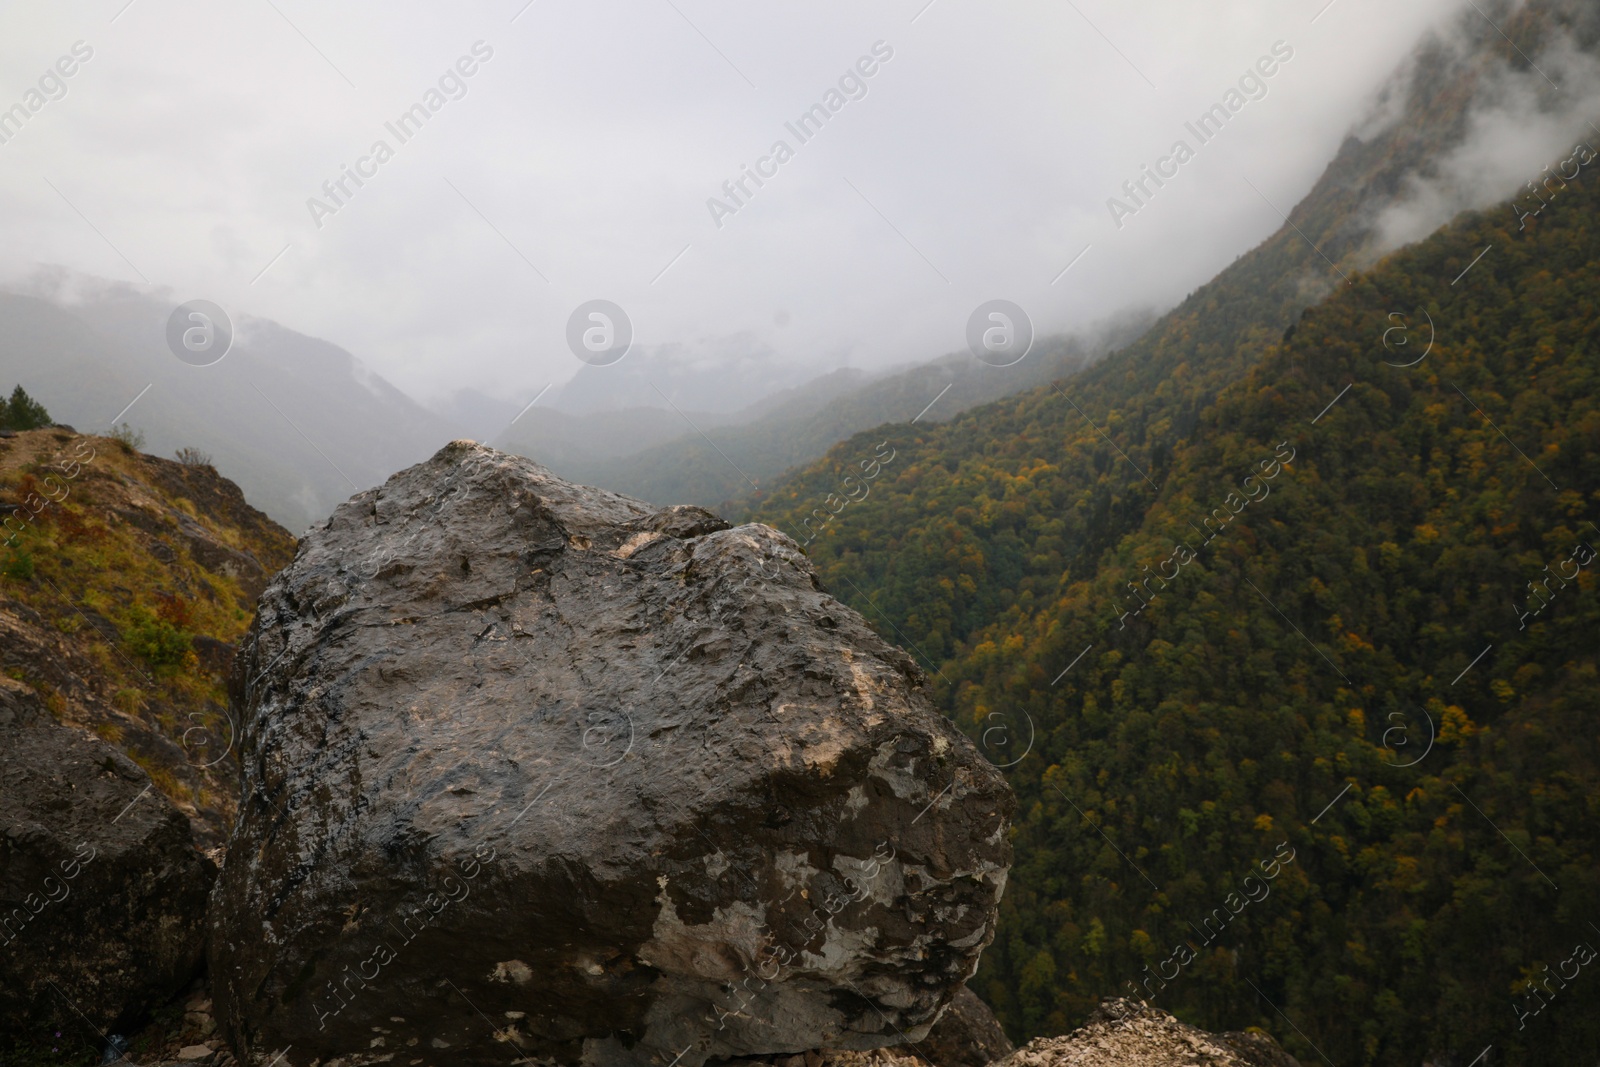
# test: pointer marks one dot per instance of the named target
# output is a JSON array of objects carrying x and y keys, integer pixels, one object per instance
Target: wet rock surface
[
  {"x": 1125, "y": 1033},
  {"x": 535, "y": 771},
  {"x": 102, "y": 894}
]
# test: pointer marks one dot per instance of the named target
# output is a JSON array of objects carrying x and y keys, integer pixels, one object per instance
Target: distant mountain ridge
[
  {"x": 727, "y": 461},
  {"x": 296, "y": 421},
  {"x": 301, "y": 424}
]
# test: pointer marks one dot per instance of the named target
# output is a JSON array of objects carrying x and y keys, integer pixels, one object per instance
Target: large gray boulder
[
  {"x": 102, "y": 893},
  {"x": 536, "y": 771}
]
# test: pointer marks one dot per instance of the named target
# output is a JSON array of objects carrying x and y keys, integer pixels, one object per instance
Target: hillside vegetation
[{"x": 125, "y": 579}]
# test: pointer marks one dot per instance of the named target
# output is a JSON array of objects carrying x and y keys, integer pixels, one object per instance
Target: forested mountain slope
[
  {"x": 1389, "y": 608},
  {"x": 1331, "y": 768},
  {"x": 992, "y": 507}
]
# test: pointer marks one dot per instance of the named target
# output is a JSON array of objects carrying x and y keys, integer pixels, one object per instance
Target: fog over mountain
[
  {"x": 202, "y": 151},
  {"x": 1523, "y": 120},
  {"x": 297, "y": 421},
  {"x": 399, "y": 319}
]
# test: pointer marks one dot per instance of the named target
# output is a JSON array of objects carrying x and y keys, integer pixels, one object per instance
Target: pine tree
[{"x": 23, "y": 412}]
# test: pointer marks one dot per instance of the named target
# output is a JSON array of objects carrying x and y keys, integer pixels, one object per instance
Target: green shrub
[
  {"x": 130, "y": 439},
  {"x": 18, "y": 566},
  {"x": 157, "y": 641}
]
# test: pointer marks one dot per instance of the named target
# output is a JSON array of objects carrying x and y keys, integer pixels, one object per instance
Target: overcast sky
[{"x": 580, "y": 159}]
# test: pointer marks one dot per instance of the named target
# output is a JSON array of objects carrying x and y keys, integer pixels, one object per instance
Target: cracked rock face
[{"x": 538, "y": 772}]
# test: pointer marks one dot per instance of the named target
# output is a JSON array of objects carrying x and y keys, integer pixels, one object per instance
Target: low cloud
[{"x": 1524, "y": 120}]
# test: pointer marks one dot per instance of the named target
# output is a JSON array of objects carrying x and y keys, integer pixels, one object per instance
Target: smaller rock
[
  {"x": 216, "y": 657},
  {"x": 99, "y": 868},
  {"x": 194, "y": 1054},
  {"x": 116, "y": 1048},
  {"x": 966, "y": 1035},
  {"x": 1126, "y": 1033}
]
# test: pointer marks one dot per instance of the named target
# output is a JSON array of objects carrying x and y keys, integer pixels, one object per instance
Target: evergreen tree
[{"x": 23, "y": 412}]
